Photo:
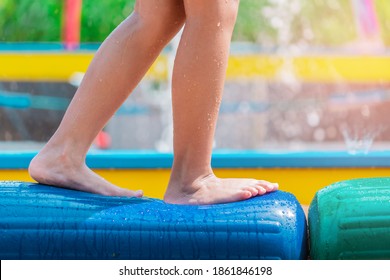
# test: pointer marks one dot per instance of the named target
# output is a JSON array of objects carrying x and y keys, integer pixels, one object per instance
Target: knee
[
  {"x": 163, "y": 20},
  {"x": 212, "y": 13}
]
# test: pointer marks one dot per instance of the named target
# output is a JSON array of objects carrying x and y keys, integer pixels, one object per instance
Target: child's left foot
[{"x": 213, "y": 190}]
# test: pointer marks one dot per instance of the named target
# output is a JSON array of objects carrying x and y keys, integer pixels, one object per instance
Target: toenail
[{"x": 262, "y": 190}]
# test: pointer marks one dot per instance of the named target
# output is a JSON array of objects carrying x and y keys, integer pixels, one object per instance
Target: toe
[
  {"x": 254, "y": 191},
  {"x": 269, "y": 187},
  {"x": 246, "y": 195},
  {"x": 128, "y": 193},
  {"x": 261, "y": 190},
  {"x": 139, "y": 193}
]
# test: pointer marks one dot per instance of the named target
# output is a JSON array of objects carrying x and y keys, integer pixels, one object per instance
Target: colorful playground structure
[
  {"x": 51, "y": 63},
  {"x": 347, "y": 220},
  {"x": 348, "y": 194}
]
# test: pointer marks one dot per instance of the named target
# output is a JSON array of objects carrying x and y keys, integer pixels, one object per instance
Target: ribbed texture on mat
[{"x": 351, "y": 220}]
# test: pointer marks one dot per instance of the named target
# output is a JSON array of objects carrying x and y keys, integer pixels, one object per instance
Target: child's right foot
[
  {"x": 212, "y": 190},
  {"x": 59, "y": 170}
]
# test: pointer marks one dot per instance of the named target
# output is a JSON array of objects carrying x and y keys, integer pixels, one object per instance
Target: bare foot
[
  {"x": 59, "y": 170},
  {"x": 213, "y": 190}
]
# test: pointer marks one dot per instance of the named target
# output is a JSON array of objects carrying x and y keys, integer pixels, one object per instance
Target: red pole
[{"x": 72, "y": 23}]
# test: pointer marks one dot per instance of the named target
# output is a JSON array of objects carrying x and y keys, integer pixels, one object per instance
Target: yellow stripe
[
  {"x": 303, "y": 183},
  {"x": 27, "y": 66},
  {"x": 351, "y": 69},
  {"x": 61, "y": 66},
  {"x": 56, "y": 66}
]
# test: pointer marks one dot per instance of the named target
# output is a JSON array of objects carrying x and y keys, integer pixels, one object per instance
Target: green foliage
[
  {"x": 250, "y": 22},
  {"x": 330, "y": 21},
  {"x": 320, "y": 22},
  {"x": 99, "y": 18},
  {"x": 30, "y": 20},
  {"x": 383, "y": 8}
]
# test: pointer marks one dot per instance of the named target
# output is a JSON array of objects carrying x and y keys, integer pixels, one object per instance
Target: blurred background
[{"x": 303, "y": 75}]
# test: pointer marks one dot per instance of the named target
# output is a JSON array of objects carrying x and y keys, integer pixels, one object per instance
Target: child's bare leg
[
  {"x": 198, "y": 81},
  {"x": 118, "y": 66}
]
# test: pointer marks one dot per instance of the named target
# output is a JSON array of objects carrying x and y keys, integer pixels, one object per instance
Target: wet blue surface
[{"x": 44, "y": 222}]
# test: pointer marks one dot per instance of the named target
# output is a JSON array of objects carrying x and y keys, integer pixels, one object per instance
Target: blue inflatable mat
[{"x": 44, "y": 222}]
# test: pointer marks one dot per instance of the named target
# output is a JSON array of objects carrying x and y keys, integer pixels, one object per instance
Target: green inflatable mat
[{"x": 351, "y": 220}]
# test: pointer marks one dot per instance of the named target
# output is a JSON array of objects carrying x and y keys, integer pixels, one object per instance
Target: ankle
[
  {"x": 63, "y": 155},
  {"x": 185, "y": 177}
]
